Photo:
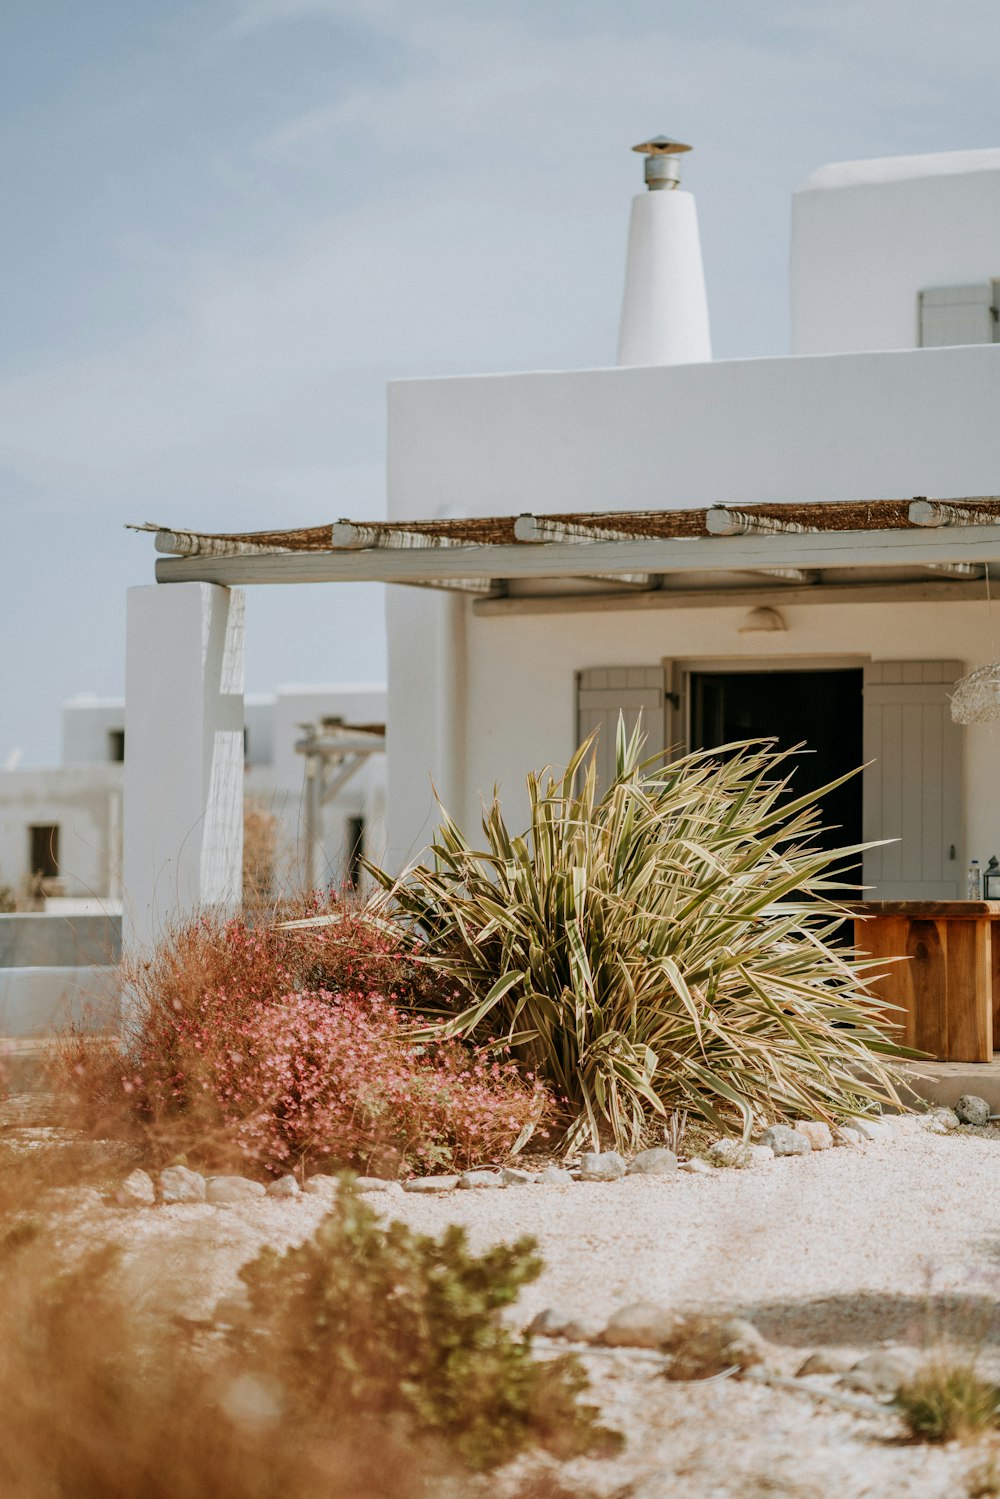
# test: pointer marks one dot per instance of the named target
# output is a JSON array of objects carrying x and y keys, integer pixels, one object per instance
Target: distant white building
[{"x": 65, "y": 823}]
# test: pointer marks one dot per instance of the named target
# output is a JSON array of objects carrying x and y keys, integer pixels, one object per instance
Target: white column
[
  {"x": 665, "y": 308},
  {"x": 183, "y": 845},
  {"x": 426, "y": 714},
  {"x": 452, "y": 669}
]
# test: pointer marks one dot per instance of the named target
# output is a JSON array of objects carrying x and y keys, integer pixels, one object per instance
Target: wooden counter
[{"x": 947, "y": 983}]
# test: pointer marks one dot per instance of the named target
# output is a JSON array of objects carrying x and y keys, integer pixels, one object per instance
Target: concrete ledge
[
  {"x": 44, "y": 939},
  {"x": 36, "y": 1001},
  {"x": 943, "y": 1083}
]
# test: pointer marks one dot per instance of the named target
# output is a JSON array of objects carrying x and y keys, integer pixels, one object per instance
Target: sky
[{"x": 226, "y": 224}]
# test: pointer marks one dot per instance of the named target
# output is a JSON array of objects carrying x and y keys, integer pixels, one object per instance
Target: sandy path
[{"x": 879, "y": 1227}]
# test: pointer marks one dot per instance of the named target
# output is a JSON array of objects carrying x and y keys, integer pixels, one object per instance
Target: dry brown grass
[
  {"x": 103, "y": 1398},
  {"x": 261, "y": 830}
]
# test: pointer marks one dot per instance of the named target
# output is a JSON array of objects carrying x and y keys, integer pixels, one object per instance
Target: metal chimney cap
[{"x": 661, "y": 145}]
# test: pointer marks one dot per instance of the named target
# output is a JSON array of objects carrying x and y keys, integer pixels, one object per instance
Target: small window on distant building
[
  {"x": 355, "y": 849},
  {"x": 116, "y": 745},
  {"x": 959, "y": 315},
  {"x": 44, "y": 850}
]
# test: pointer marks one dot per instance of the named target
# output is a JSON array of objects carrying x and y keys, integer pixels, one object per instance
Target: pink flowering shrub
[
  {"x": 288, "y": 1049},
  {"x": 325, "y": 1078}
]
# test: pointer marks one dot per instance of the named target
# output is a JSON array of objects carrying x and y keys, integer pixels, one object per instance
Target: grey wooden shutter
[
  {"x": 604, "y": 692},
  {"x": 959, "y": 315},
  {"x": 913, "y": 790}
]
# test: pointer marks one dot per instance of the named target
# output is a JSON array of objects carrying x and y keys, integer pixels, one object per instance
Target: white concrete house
[
  {"x": 825, "y": 614},
  {"x": 893, "y": 391},
  {"x": 65, "y": 822}
]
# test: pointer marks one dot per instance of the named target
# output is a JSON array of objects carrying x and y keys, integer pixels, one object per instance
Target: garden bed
[{"x": 850, "y": 1250}]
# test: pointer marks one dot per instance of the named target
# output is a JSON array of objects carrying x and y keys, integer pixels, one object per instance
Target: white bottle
[{"x": 975, "y": 887}]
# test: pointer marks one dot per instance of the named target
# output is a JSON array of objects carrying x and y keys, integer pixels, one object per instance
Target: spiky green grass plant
[
  {"x": 949, "y": 1401},
  {"x": 665, "y": 944}
]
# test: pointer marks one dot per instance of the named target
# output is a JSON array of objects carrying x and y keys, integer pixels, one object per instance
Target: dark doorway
[
  {"x": 44, "y": 851},
  {"x": 821, "y": 710}
]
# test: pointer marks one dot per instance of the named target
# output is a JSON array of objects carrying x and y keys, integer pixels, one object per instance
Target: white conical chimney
[{"x": 665, "y": 310}]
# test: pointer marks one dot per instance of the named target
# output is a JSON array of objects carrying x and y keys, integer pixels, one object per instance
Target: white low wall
[{"x": 38, "y": 1001}]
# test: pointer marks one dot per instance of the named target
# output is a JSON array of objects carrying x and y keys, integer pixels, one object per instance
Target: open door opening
[{"x": 820, "y": 709}]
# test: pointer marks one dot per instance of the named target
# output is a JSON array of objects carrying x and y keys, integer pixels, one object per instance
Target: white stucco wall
[
  {"x": 511, "y": 680},
  {"x": 867, "y": 236},
  {"x": 86, "y": 806},
  {"x": 258, "y": 719},
  {"x": 857, "y": 426},
  {"x": 521, "y": 691},
  {"x": 87, "y": 725}
]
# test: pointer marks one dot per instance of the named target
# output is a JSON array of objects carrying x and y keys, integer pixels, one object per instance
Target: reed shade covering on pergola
[
  {"x": 655, "y": 558},
  {"x": 498, "y": 530}
]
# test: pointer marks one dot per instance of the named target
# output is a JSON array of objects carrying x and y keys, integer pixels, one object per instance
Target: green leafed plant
[
  {"x": 663, "y": 944},
  {"x": 363, "y": 1321},
  {"x": 949, "y": 1401}
]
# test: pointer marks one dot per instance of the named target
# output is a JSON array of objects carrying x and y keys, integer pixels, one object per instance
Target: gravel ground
[{"x": 859, "y": 1247}]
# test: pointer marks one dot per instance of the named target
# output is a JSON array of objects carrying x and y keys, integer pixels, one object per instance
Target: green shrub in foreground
[
  {"x": 948, "y": 1402},
  {"x": 363, "y": 1320},
  {"x": 664, "y": 944}
]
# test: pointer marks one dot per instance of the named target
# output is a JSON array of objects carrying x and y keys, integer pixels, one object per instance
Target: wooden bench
[{"x": 947, "y": 981}]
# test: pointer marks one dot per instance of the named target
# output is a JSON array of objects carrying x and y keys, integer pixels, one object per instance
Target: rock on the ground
[
  {"x": 322, "y": 1186},
  {"x": 743, "y": 1344},
  {"x": 880, "y": 1374},
  {"x": 601, "y": 1166},
  {"x": 285, "y": 1186},
  {"x": 548, "y": 1323},
  {"x": 825, "y": 1361},
  {"x": 696, "y": 1167},
  {"x": 516, "y": 1176},
  {"x": 582, "y": 1330},
  {"x": 136, "y": 1191},
  {"x": 657, "y": 1161},
  {"x": 555, "y": 1176},
  {"x": 178, "y": 1184},
  {"x": 732, "y": 1153},
  {"x": 971, "y": 1109},
  {"x": 784, "y": 1140},
  {"x": 876, "y": 1131},
  {"x": 470, "y": 1180},
  {"x": 430, "y": 1184},
  {"x": 816, "y": 1132},
  {"x": 375, "y": 1184},
  {"x": 642, "y": 1325},
  {"x": 846, "y": 1134},
  {"x": 225, "y": 1191},
  {"x": 940, "y": 1121}
]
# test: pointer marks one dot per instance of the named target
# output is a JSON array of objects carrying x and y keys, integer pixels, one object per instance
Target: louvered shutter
[
  {"x": 959, "y": 315},
  {"x": 604, "y": 692},
  {"x": 913, "y": 789}
]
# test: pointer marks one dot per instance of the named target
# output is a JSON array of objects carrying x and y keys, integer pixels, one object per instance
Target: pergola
[
  {"x": 813, "y": 551},
  {"x": 184, "y": 694}
]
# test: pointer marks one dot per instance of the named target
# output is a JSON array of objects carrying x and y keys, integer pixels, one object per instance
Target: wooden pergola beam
[{"x": 890, "y": 548}]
